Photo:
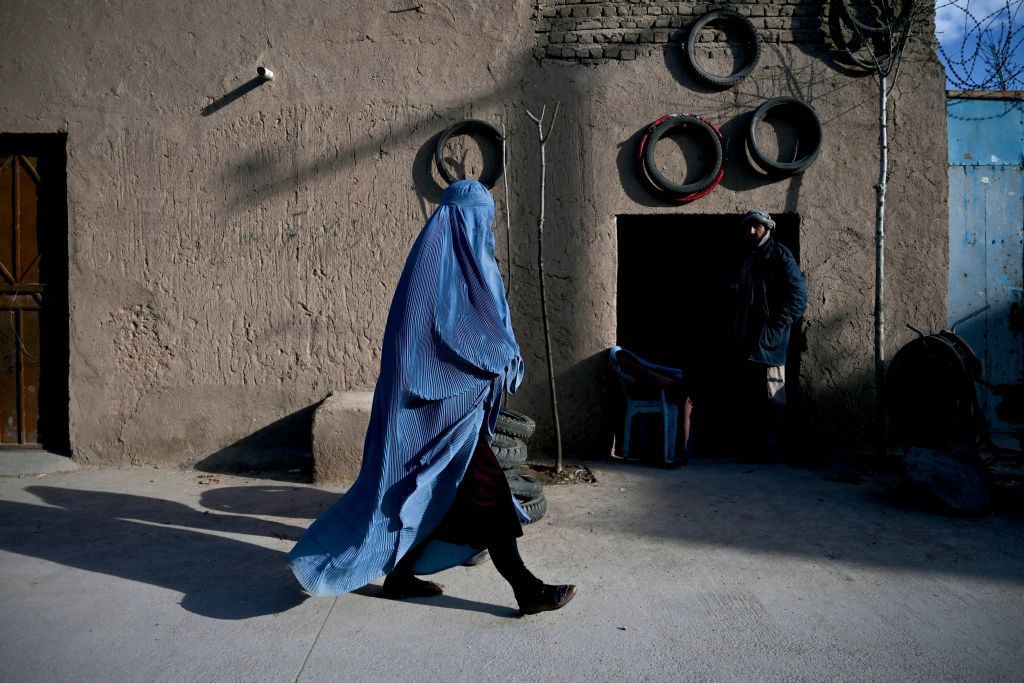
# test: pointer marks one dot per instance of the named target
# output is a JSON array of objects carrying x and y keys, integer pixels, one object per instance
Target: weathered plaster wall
[
  {"x": 835, "y": 198},
  {"x": 230, "y": 269}
]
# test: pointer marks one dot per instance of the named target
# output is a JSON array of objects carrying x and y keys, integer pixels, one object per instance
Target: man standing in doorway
[{"x": 771, "y": 296}]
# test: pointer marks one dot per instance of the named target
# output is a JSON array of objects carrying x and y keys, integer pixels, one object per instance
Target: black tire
[
  {"x": 536, "y": 507},
  {"x": 501, "y": 440},
  {"x": 524, "y": 486},
  {"x": 849, "y": 51},
  {"x": 706, "y": 133},
  {"x": 515, "y": 424},
  {"x": 467, "y": 127},
  {"x": 875, "y": 28},
  {"x": 851, "y": 46},
  {"x": 807, "y": 125},
  {"x": 930, "y": 395},
  {"x": 967, "y": 355},
  {"x": 751, "y": 37},
  {"x": 512, "y": 458}
]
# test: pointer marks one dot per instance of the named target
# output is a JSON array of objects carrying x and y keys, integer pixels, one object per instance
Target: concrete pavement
[
  {"x": 716, "y": 571},
  {"x": 19, "y": 463}
]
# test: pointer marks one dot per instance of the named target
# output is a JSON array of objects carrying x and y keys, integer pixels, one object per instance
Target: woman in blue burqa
[{"x": 431, "y": 493}]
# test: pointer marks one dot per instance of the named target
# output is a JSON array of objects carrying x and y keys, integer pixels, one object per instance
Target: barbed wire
[{"x": 987, "y": 57}]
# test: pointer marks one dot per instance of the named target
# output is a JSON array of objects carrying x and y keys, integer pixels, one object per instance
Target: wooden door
[
  {"x": 33, "y": 292},
  {"x": 21, "y": 299}
]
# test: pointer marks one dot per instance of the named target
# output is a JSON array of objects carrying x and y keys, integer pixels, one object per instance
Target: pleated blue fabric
[{"x": 448, "y": 354}]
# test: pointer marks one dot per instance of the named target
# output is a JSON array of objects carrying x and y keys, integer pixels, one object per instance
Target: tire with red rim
[{"x": 702, "y": 130}]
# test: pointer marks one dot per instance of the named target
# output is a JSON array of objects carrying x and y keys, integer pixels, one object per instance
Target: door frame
[{"x": 54, "y": 389}]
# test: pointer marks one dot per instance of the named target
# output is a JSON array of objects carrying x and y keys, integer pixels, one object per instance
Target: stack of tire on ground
[{"x": 511, "y": 435}]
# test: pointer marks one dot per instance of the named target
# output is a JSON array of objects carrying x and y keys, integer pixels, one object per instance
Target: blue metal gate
[{"x": 986, "y": 233}]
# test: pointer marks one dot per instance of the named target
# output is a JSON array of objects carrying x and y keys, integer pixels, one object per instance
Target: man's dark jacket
[{"x": 771, "y": 297}]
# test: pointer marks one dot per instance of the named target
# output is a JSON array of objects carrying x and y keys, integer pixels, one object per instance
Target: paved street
[{"x": 716, "y": 571}]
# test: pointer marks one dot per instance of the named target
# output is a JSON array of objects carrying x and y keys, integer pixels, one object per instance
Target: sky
[{"x": 953, "y": 23}]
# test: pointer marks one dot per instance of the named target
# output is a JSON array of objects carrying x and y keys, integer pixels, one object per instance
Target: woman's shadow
[
  {"x": 142, "y": 539},
  {"x": 174, "y": 546}
]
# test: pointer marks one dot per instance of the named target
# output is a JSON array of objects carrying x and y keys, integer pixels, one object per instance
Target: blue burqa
[{"x": 447, "y": 356}]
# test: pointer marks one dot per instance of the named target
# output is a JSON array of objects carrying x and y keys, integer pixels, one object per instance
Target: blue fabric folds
[{"x": 448, "y": 353}]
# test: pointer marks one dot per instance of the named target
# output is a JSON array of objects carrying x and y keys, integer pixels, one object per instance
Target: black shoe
[{"x": 546, "y": 598}]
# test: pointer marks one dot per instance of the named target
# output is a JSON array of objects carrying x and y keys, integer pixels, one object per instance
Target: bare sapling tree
[
  {"x": 543, "y": 137},
  {"x": 508, "y": 210},
  {"x": 878, "y": 32},
  {"x": 873, "y": 35}
]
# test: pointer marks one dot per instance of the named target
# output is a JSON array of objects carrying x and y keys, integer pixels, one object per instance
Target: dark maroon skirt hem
[{"x": 483, "y": 511}]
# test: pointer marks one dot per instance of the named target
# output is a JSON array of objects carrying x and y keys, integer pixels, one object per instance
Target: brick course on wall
[{"x": 598, "y": 30}]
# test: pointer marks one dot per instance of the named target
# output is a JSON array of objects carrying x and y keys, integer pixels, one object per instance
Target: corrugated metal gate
[{"x": 986, "y": 232}]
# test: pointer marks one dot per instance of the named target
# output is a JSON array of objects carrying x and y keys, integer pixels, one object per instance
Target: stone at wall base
[
  {"x": 954, "y": 477},
  {"x": 339, "y": 428}
]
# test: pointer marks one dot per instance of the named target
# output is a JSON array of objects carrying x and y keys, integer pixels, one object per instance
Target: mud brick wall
[
  {"x": 598, "y": 30},
  {"x": 233, "y": 249}
]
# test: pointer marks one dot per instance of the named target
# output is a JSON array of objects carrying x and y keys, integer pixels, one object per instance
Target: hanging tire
[
  {"x": 809, "y": 134},
  {"x": 514, "y": 423},
  {"x": 707, "y": 132},
  {"x": 513, "y": 457},
  {"x": 468, "y": 127},
  {"x": 524, "y": 486},
  {"x": 850, "y": 46},
  {"x": 875, "y": 28},
  {"x": 534, "y": 507},
  {"x": 751, "y": 38}
]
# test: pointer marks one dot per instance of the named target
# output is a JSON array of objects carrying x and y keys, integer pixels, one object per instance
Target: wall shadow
[
  {"x": 230, "y": 97},
  {"x": 255, "y": 176},
  {"x": 140, "y": 539},
  {"x": 742, "y": 173},
  {"x": 281, "y": 448},
  {"x": 299, "y": 502},
  {"x": 594, "y": 430},
  {"x": 832, "y": 515},
  {"x": 630, "y": 173},
  {"x": 425, "y": 178}
]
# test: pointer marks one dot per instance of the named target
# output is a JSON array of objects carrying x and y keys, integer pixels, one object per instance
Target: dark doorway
[
  {"x": 676, "y": 305},
  {"x": 33, "y": 292}
]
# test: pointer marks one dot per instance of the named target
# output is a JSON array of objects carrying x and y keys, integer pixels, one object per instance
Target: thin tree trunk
[
  {"x": 544, "y": 317},
  {"x": 540, "y": 265},
  {"x": 883, "y": 176},
  {"x": 886, "y": 64},
  {"x": 508, "y": 210},
  {"x": 508, "y": 232}
]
